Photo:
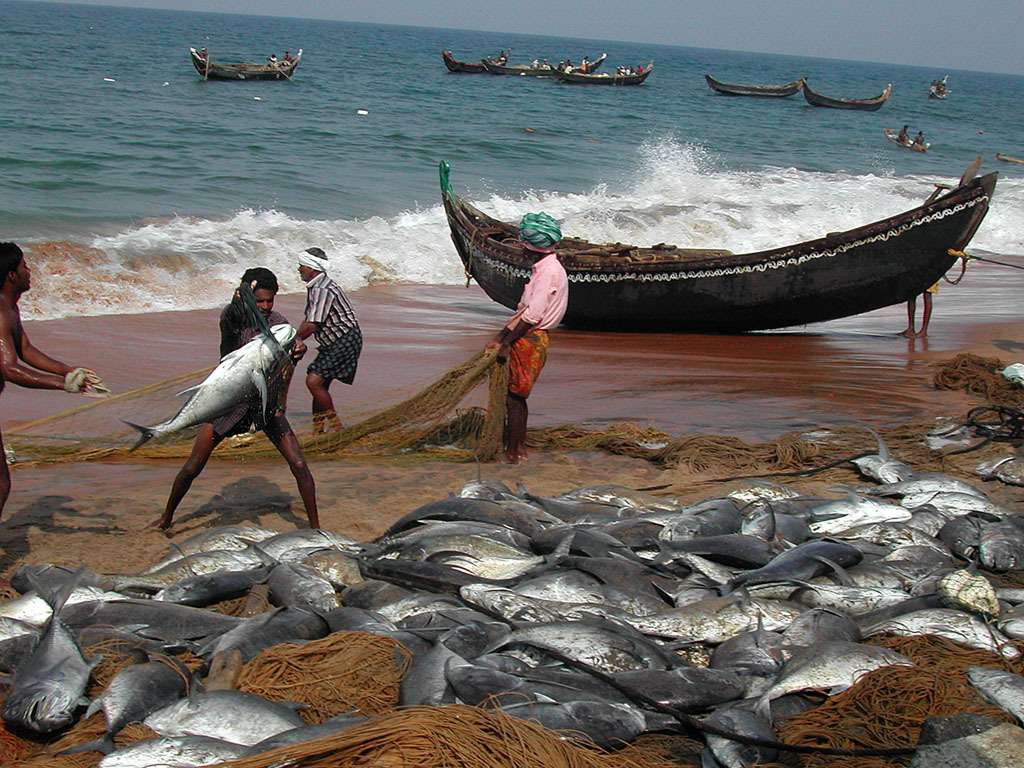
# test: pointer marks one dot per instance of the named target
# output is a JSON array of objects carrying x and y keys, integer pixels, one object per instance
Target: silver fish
[
  {"x": 882, "y": 466},
  {"x": 297, "y": 584},
  {"x": 1010, "y": 470},
  {"x": 831, "y": 667},
  {"x": 948, "y": 623},
  {"x": 717, "y": 619},
  {"x": 242, "y": 375},
  {"x": 843, "y": 514},
  {"x": 177, "y": 751},
  {"x": 241, "y": 718},
  {"x": 50, "y": 685},
  {"x": 999, "y": 687},
  {"x": 229, "y": 537}
]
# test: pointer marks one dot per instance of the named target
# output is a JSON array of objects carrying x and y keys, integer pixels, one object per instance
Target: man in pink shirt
[{"x": 524, "y": 339}]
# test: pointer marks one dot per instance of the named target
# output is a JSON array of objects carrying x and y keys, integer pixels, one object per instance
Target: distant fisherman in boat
[
  {"x": 903, "y": 137},
  {"x": 919, "y": 139},
  {"x": 523, "y": 341},
  {"x": 287, "y": 57},
  {"x": 203, "y": 53}
]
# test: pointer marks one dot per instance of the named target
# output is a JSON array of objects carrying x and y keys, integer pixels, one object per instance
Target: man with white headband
[
  {"x": 331, "y": 321},
  {"x": 523, "y": 341}
]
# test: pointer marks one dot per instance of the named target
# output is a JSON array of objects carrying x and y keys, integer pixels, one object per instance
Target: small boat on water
[
  {"x": 541, "y": 69},
  {"x": 631, "y": 77},
  {"x": 269, "y": 70},
  {"x": 938, "y": 89},
  {"x": 1008, "y": 159},
  {"x": 461, "y": 66},
  {"x": 764, "y": 91},
  {"x": 665, "y": 288},
  {"x": 894, "y": 137},
  {"x": 867, "y": 105}
]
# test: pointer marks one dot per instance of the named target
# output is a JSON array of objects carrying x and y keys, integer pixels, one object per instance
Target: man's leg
[
  {"x": 283, "y": 437},
  {"x": 911, "y": 310},
  {"x": 323, "y": 405},
  {"x": 205, "y": 442},
  {"x": 515, "y": 428},
  {"x": 5, "y": 477},
  {"x": 927, "y": 314}
]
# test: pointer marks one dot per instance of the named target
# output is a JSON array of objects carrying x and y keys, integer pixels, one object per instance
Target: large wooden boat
[
  {"x": 282, "y": 70},
  {"x": 764, "y": 91},
  {"x": 867, "y": 105},
  {"x": 605, "y": 78},
  {"x": 541, "y": 70},
  {"x": 461, "y": 66},
  {"x": 894, "y": 137},
  {"x": 665, "y": 288}
]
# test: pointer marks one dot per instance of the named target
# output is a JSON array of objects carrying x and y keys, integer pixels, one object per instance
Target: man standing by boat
[
  {"x": 330, "y": 319},
  {"x": 523, "y": 341},
  {"x": 20, "y": 362}
]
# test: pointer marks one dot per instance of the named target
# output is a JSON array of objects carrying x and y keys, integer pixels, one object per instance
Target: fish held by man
[{"x": 241, "y": 375}]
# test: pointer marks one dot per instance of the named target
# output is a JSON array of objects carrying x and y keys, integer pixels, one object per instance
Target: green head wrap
[{"x": 539, "y": 232}]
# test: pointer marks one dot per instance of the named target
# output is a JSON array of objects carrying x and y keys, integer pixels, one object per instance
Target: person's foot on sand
[
  {"x": 910, "y": 334},
  {"x": 514, "y": 458},
  {"x": 161, "y": 523}
]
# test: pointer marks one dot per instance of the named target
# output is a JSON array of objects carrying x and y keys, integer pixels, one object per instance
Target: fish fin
[
  {"x": 266, "y": 559},
  {"x": 841, "y": 574},
  {"x": 189, "y": 391},
  {"x": 883, "y": 449},
  {"x": 146, "y": 434},
  {"x": 542, "y": 699},
  {"x": 104, "y": 744},
  {"x": 94, "y": 706},
  {"x": 57, "y": 597},
  {"x": 260, "y": 382}
]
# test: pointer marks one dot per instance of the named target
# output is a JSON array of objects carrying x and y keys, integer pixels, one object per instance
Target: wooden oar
[{"x": 971, "y": 172}]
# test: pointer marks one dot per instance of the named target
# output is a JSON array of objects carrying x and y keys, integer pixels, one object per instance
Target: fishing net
[
  {"x": 452, "y": 737},
  {"x": 979, "y": 376},
  {"x": 887, "y": 707},
  {"x": 459, "y": 416},
  {"x": 342, "y": 672}
]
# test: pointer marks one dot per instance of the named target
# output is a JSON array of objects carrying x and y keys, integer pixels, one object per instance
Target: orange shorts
[{"x": 526, "y": 358}]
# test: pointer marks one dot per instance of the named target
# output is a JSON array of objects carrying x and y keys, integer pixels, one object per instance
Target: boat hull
[
  {"x": 816, "y": 99},
  {"x": 697, "y": 291},
  {"x": 759, "y": 91},
  {"x": 211, "y": 71},
  {"x": 580, "y": 78},
  {"x": 474, "y": 67}
]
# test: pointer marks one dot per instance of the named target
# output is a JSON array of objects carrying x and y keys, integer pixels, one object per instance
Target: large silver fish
[{"x": 241, "y": 375}]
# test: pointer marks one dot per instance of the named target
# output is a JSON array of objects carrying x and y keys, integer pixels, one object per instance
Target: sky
[{"x": 980, "y": 35}]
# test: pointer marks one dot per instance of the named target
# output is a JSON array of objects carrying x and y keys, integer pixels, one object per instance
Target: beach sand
[{"x": 756, "y": 387}]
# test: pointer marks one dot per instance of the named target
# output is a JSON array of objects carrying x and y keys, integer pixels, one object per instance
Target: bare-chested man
[{"x": 20, "y": 362}]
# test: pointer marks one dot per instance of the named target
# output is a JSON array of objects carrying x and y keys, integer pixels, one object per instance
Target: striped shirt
[{"x": 328, "y": 307}]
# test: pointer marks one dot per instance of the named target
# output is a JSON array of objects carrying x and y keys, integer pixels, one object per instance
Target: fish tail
[
  {"x": 104, "y": 744},
  {"x": 146, "y": 434}
]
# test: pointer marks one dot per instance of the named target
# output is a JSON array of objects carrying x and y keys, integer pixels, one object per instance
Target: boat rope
[
  {"x": 963, "y": 265},
  {"x": 965, "y": 256}
]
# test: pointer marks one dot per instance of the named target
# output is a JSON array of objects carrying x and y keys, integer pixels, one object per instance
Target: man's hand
[{"x": 74, "y": 380}]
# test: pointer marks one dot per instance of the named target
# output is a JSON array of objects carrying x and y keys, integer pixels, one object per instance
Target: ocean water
[{"x": 141, "y": 188}]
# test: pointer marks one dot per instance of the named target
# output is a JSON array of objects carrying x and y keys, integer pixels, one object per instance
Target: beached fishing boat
[
  {"x": 281, "y": 70},
  {"x": 605, "y": 78},
  {"x": 867, "y": 105},
  {"x": 461, "y": 66},
  {"x": 894, "y": 137},
  {"x": 665, "y": 288},
  {"x": 764, "y": 91}
]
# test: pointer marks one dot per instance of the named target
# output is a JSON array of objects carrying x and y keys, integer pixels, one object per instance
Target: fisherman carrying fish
[
  {"x": 331, "y": 321},
  {"x": 523, "y": 341},
  {"x": 237, "y": 329},
  {"x": 20, "y": 362}
]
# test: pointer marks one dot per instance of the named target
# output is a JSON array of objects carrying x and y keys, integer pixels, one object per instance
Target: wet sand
[{"x": 755, "y": 387}]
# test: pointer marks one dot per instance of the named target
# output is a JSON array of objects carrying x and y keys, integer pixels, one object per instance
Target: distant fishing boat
[
  {"x": 665, "y": 288},
  {"x": 765, "y": 91},
  {"x": 1008, "y": 159},
  {"x": 894, "y": 137},
  {"x": 540, "y": 69},
  {"x": 461, "y": 66},
  {"x": 606, "y": 78},
  {"x": 867, "y": 105},
  {"x": 938, "y": 89},
  {"x": 269, "y": 70}
]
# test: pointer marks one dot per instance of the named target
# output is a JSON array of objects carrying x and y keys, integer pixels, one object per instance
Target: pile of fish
[{"x": 604, "y": 611}]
